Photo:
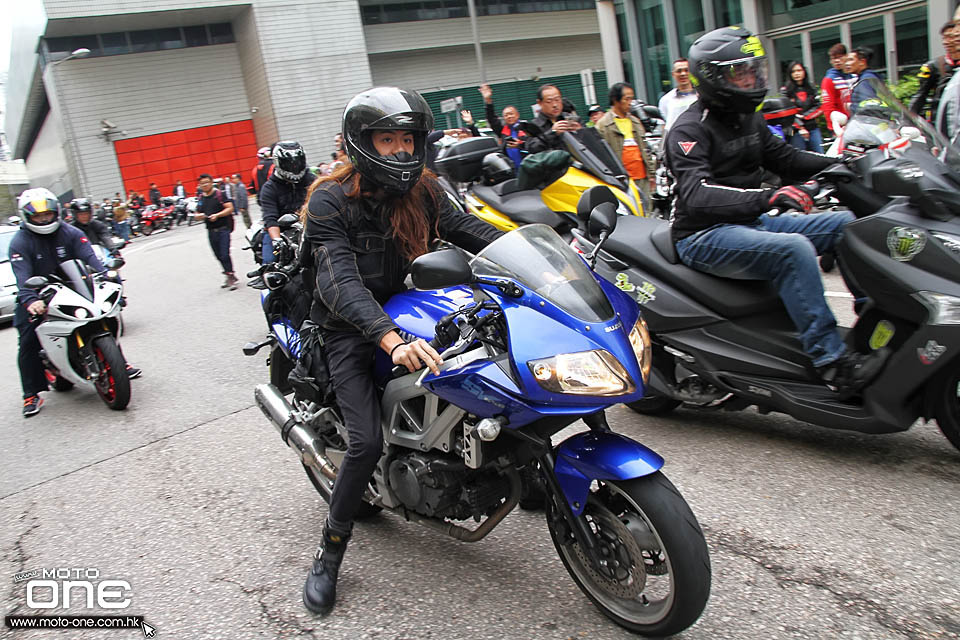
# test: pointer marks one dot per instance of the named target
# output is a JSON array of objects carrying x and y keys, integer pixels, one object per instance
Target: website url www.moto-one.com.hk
[{"x": 74, "y": 622}]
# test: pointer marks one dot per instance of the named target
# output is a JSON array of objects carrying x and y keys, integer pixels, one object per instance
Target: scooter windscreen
[
  {"x": 537, "y": 257},
  {"x": 596, "y": 157},
  {"x": 877, "y": 122},
  {"x": 78, "y": 277}
]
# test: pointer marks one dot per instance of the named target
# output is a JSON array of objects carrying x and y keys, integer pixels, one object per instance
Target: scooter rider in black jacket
[
  {"x": 717, "y": 151},
  {"x": 83, "y": 219},
  {"x": 285, "y": 191},
  {"x": 364, "y": 226}
]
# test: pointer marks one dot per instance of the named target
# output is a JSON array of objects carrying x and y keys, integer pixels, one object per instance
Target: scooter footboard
[{"x": 599, "y": 455}]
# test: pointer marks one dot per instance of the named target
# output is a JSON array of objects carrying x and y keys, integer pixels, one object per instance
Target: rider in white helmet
[{"x": 37, "y": 250}]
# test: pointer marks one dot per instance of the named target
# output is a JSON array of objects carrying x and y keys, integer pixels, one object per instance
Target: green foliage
[{"x": 906, "y": 88}]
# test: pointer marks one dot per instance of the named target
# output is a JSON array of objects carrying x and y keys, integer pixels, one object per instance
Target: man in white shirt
[{"x": 676, "y": 101}]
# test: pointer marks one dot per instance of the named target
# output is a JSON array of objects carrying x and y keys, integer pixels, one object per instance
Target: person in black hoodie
[
  {"x": 285, "y": 191},
  {"x": 802, "y": 94},
  {"x": 96, "y": 231}
]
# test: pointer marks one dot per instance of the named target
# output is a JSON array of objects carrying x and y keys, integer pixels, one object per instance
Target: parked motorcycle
[
  {"x": 720, "y": 343},
  {"x": 531, "y": 341},
  {"x": 506, "y": 206},
  {"x": 153, "y": 217},
  {"x": 78, "y": 334}
]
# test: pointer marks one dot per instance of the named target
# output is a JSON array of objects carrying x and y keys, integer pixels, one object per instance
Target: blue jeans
[
  {"x": 266, "y": 247},
  {"x": 123, "y": 229},
  {"x": 783, "y": 250},
  {"x": 814, "y": 143},
  {"x": 220, "y": 243}
]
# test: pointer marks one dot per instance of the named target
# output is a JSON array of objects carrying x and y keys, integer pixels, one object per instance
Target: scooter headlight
[
  {"x": 642, "y": 347},
  {"x": 588, "y": 373},
  {"x": 943, "y": 309}
]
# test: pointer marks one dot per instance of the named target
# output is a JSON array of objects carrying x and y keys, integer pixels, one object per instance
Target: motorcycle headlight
[
  {"x": 642, "y": 347},
  {"x": 81, "y": 314},
  {"x": 588, "y": 373},
  {"x": 943, "y": 309}
]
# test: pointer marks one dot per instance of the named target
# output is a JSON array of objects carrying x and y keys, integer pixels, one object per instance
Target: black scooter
[{"x": 729, "y": 344}]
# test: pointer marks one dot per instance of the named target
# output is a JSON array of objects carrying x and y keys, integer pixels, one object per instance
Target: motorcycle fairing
[
  {"x": 599, "y": 455},
  {"x": 522, "y": 207}
]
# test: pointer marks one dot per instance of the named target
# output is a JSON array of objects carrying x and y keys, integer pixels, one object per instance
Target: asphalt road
[{"x": 191, "y": 497}]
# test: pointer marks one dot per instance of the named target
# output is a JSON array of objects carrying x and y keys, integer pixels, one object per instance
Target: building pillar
[
  {"x": 890, "y": 41},
  {"x": 937, "y": 14},
  {"x": 636, "y": 46},
  {"x": 610, "y": 41}
]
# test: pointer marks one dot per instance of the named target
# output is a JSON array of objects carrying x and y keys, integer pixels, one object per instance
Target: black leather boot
[{"x": 320, "y": 590}]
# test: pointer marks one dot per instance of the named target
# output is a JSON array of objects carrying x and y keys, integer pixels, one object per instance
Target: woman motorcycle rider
[
  {"x": 364, "y": 224},
  {"x": 717, "y": 150}
]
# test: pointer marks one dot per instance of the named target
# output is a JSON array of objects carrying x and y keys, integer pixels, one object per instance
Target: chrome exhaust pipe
[{"x": 296, "y": 435}]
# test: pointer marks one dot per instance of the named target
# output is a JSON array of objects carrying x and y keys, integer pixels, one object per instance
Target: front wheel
[
  {"x": 656, "y": 576},
  {"x": 147, "y": 229},
  {"x": 112, "y": 383},
  {"x": 947, "y": 411}
]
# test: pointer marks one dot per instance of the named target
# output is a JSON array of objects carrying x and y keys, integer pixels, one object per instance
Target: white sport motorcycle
[{"x": 78, "y": 335}]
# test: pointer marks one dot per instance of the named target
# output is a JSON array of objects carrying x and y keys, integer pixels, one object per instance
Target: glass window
[
  {"x": 70, "y": 44},
  {"x": 787, "y": 49},
  {"x": 114, "y": 43},
  {"x": 689, "y": 22},
  {"x": 820, "y": 42},
  {"x": 727, "y": 12},
  {"x": 169, "y": 38},
  {"x": 656, "y": 56},
  {"x": 141, "y": 41},
  {"x": 869, "y": 33},
  {"x": 786, "y": 12},
  {"x": 912, "y": 40},
  {"x": 457, "y": 8},
  {"x": 196, "y": 36},
  {"x": 372, "y": 14},
  {"x": 221, "y": 33}
]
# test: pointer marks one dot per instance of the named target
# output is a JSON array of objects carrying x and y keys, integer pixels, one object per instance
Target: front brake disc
[{"x": 624, "y": 574}]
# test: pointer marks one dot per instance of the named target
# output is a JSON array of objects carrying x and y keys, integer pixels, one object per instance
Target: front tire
[
  {"x": 113, "y": 384},
  {"x": 657, "y": 580},
  {"x": 147, "y": 229},
  {"x": 947, "y": 408},
  {"x": 654, "y": 405}
]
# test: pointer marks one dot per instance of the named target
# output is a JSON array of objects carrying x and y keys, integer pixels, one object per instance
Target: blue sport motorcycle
[{"x": 531, "y": 342}]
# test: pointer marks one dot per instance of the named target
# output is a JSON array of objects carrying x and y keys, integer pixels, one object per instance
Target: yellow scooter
[{"x": 507, "y": 206}]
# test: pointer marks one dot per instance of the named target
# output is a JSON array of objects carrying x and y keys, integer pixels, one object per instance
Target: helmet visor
[{"x": 744, "y": 74}]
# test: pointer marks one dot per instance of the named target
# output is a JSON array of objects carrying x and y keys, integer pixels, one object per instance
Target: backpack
[{"x": 310, "y": 378}]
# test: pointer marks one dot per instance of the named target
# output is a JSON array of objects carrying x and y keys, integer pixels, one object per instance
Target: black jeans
[
  {"x": 32, "y": 378},
  {"x": 220, "y": 243},
  {"x": 350, "y": 359}
]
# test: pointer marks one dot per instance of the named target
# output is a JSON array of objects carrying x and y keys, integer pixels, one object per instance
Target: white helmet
[
  {"x": 35, "y": 201},
  {"x": 263, "y": 153}
]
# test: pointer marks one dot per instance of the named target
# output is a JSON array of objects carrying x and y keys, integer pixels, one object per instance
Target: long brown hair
[{"x": 411, "y": 224}]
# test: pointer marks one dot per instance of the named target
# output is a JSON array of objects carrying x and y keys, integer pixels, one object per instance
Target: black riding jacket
[
  {"x": 279, "y": 197},
  {"x": 933, "y": 76},
  {"x": 35, "y": 254},
  {"x": 96, "y": 231},
  {"x": 548, "y": 140},
  {"x": 718, "y": 163},
  {"x": 357, "y": 264}
]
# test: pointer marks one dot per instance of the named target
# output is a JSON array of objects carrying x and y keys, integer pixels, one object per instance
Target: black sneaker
[
  {"x": 852, "y": 371},
  {"x": 31, "y": 406},
  {"x": 133, "y": 372}
]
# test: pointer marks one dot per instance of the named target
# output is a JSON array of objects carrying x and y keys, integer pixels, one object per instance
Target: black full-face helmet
[
  {"x": 80, "y": 205},
  {"x": 497, "y": 168},
  {"x": 728, "y": 67},
  {"x": 289, "y": 160},
  {"x": 387, "y": 109}
]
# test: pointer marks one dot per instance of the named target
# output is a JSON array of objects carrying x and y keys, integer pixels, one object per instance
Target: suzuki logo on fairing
[
  {"x": 904, "y": 243},
  {"x": 929, "y": 353},
  {"x": 615, "y": 327}
]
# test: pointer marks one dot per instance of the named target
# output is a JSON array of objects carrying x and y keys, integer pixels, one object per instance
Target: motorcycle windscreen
[
  {"x": 596, "y": 157},
  {"x": 535, "y": 256},
  {"x": 78, "y": 277}
]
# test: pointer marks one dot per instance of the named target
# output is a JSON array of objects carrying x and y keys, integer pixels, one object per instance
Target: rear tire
[
  {"x": 653, "y": 405},
  {"x": 657, "y": 582},
  {"x": 113, "y": 384}
]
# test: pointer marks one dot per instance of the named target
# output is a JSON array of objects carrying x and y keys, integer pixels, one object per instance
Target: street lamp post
[{"x": 82, "y": 52}]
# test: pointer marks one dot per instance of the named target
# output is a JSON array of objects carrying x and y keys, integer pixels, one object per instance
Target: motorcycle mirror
[
  {"x": 603, "y": 219},
  {"x": 593, "y": 197},
  {"x": 441, "y": 269},
  {"x": 652, "y": 112},
  {"x": 36, "y": 282},
  {"x": 114, "y": 263},
  {"x": 529, "y": 128},
  {"x": 116, "y": 244},
  {"x": 274, "y": 280},
  {"x": 287, "y": 220}
]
